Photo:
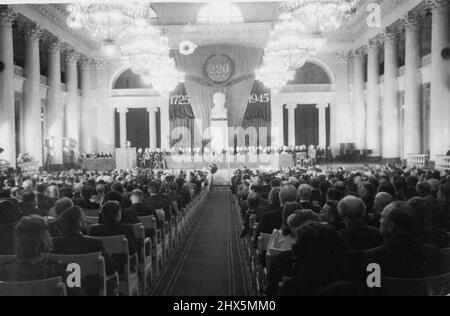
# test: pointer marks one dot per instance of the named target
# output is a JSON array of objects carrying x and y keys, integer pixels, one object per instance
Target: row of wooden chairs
[{"x": 153, "y": 254}]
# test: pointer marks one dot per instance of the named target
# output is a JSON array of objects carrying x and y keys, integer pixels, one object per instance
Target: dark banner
[
  {"x": 259, "y": 103},
  {"x": 180, "y": 104}
]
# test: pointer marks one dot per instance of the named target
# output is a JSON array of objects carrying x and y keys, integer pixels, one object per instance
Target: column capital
[
  {"x": 7, "y": 16},
  {"x": 412, "y": 22},
  {"x": 100, "y": 64},
  {"x": 372, "y": 46},
  {"x": 291, "y": 106},
  {"x": 322, "y": 106},
  {"x": 122, "y": 110},
  {"x": 389, "y": 37},
  {"x": 152, "y": 109},
  {"x": 342, "y": 57},
  {"x": 33, "y": 32},
  {"x": 438, "y": 6},
  {"x": 55, "y": 46},
  {"x": 72, "y": 56},
  {"x": 358, "y": 53},
  {"x": 86, "y": 63}
]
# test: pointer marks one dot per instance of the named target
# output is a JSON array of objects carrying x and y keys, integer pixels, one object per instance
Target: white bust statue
[{"x": 219, "y": 111}]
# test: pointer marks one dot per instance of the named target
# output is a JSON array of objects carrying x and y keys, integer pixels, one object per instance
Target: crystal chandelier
[
  {"x": 107, "y": 22},
  {"x": 147, "y": 54},
  {"x": 321, "y": 16},
  {"x": 274, "y": 76}
]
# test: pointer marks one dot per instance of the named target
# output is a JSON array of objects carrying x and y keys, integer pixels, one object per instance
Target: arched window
[
  {"x": 219, "y": 13},
  {"x": 310, "y": 73},
  {"x": 129, "y": 80}
]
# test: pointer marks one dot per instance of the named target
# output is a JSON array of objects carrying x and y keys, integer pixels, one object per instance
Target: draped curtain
[{"x": 245, "y": 59}]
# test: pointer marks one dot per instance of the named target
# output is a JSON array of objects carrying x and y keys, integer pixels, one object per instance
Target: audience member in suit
[
  {"x": 183, "y": 190},
  {"x": 444, "y": 201},
  {"x": 73, "y": 242},
  {"x": 273, "y": 220},
  {"x": 86, "y": 194},
  {"x": 422, "y": 215},
  {"x": 304, "y": 195},
  {"x": 316, "y": 196},
  {"x": 45, "y": 203},
  {"x": 129, "y": 216},
  {"x": 32, "y": 242},
  {"x": 112, "y": 225},
  {"x": 356, "y": 234},
  {"x": 382, "y": 200},
  {"x": 174, "y": 198},
  {"x": 367, "y": 192},
  {"x": 329, "y": 213},
  {"x": 253, "y": 202},
  {"x": 9, "y": 216},
  {"x": 28, "y": 206},
  {"x": 156, "y": 201},
  {"x": 323, "y": 260},
  {"x": 272, "y": 206},
  {"x": 402, "y": 255},
  {"x": 54, "y": 225}
]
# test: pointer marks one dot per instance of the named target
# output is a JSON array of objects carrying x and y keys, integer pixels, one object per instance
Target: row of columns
[
  {"x": 322, "y": 123},
  {"x": 153, "y": 136},
  {"x": 378, "y": 129},
  {"x": 70, "y": 117}
]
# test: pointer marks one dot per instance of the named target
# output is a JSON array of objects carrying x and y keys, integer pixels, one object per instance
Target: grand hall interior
[{"x": 232, "y": 148}]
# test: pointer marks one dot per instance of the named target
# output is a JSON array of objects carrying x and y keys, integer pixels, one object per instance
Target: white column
[
  {"x": 291, "y": 123},
  {"x": 7, "y": 106},
  {"x": 72, "y": 118},
  {"x": 153, "y": 136},
  {"x": 32, "y": 96},
  {"x": 105, "y": 137},
  {"x": 55, "y": 108},
  {"x": 165, "y": 123},
  {"x": 359, "y": 101},
  {"x": 322, "y": 125},
  {"x": 123, "y": 126},
  {"x": 277, "y": 128},
  {"x": 413, "y": 86},
  {"x": 440, "y": 74},
  {"x": 340, "y": 125},
  {"x": 87, "y": 144},
  {"x": 373, "y": 102},
  {"x": 390, "y": 123}
]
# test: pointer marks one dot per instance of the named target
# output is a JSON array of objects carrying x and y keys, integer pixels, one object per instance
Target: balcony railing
[
  {"x": 443, "y": 163},
  {"x": 417, "y": 160}
]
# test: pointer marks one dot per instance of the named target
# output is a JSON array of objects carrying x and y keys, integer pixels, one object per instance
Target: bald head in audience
[
  {"x": 351, "y": 209},
  {"x": 382, "y": 200}
]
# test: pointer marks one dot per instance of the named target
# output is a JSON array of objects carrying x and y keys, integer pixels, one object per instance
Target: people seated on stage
[
  {"x": 32, "y": 242},
  {"x": 402, "y": 255},
  {"x": 9, "y": 216},
  {"x": 356, "y": 234}
]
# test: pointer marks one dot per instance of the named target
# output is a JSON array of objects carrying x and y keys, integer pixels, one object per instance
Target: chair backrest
[
  {"x": 92, "y": 220},
  {"x": 114, "y": 245},
  {"x": 148, "y": 221},
  {"x": 433, "y": 286},
  {"x": 92, "y": 213},
  {"x": 48, "y": 287},
  {"x": 92, "y": 270},
  {"x": 263, "y": 242}
]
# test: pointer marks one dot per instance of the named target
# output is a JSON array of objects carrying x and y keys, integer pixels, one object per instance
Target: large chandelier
[
  {"x": 107, "y": 21},
  {"x": 147, "y": 54},
  {"x": 322, "y": 16}
]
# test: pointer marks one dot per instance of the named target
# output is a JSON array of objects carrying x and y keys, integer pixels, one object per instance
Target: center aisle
[{"x": 209, "y": 262}]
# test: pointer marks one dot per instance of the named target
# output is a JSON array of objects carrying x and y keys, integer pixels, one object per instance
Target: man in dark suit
[
  {"x": 183, "y": 191},
  {"x": 356, "y": 234},
  {"x": 403, "y": 256},
  {"x": 156, "y": 201},
  {"x": 130, "y": 215},
  {"x": 73, "y": 242},
  {"x": 304, "y": 194},
  {"x": 173, "y": 197},
  {"x": 112, "y": 225},
  {"x": 29, "y": 205},
  {"x": 45, "y": 203}
]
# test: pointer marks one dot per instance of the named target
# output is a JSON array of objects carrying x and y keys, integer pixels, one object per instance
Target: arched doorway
[
  {"x": 137, "y": 118},
  {"x": 309, "y": 117}
]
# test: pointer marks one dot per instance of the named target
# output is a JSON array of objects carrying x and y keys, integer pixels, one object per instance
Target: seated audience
[
  {"x": 356, "y": 234},
  {"x": 382, "y": 200},
  {"x": 304, "y": 195},
  {"x": 29, "y": 205},
  {"x": 329, "y": 212},
  {"x": 9, "y": 216},
  {"x": 403, "y": 256}
]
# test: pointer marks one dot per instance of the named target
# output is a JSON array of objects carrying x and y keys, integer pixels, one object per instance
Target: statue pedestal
[{"x": 219, "y": 135}]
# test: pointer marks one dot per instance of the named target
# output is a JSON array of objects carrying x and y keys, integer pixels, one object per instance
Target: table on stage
[
  {"x": 98, "y": 164},
  {"x": 273, "y": 161}
]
